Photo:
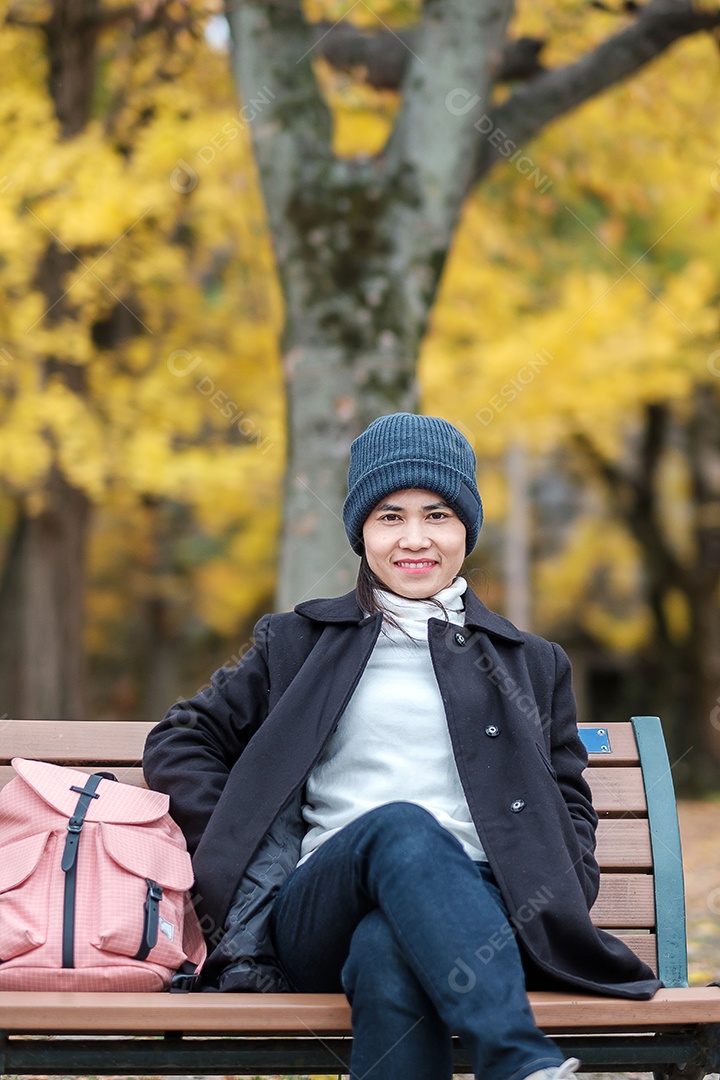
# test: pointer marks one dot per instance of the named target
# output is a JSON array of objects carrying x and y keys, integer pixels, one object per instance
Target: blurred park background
[{"x": 230, "y": 239}]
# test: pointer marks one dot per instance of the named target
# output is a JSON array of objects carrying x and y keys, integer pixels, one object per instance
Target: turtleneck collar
[{"x": 412, "y": 615}]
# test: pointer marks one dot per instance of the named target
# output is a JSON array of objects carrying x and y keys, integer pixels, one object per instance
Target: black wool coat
[{"x": 234, "y": 759}]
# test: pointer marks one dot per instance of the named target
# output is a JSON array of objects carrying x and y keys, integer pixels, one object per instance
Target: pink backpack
[{"x": 93, "y": 885}]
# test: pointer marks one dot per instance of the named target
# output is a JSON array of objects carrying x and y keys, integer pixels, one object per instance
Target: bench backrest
[
  {"x": 641, "y": 897},
  {"x": 642, "y": 890}
]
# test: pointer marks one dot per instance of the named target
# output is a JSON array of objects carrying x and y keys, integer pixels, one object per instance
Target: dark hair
[
  {"x": 367, "y": 583},
  {"x": 366, "y": 592}
]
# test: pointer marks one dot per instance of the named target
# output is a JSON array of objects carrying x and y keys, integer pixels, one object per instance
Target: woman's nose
[{"x": 414, "y": 536}]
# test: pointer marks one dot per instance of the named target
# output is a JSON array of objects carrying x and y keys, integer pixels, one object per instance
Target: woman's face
[{"x": 414, "y": 543}]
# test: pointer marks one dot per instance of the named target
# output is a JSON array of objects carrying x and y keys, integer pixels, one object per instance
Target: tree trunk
[
  {"x": 158, "y": 642},
  {"x": 332, "y": 394},
  {"x": 704, "y": 458},
  {"x": 42, "y": 666},
  {"x": 360, "y": 246},
  {"x": 682, "y": 678},
  {"x": 41, "y": 609},
  {"x": 688, "y": 672},
  {"x": 70, "y": 35}
]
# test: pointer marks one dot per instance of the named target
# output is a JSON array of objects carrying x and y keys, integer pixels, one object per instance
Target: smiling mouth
[{"x": 425, "y": 564}]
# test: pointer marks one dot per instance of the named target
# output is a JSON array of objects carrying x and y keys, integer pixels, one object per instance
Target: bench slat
[
  {"x": 303, "y": 1014},
  {"x": 126, "y": 774},
  {"x": 643, "y": 945},
  {"x": 110, "y": 740},
  {"x": 623, "y": 843},
  {"x": 73, "y": 741},
  {"x": 617, "y": 790},
  {"x": 625, "y": 900},
  {"x": 87, "y": 745},
  {"x": 623, "y": 747}
]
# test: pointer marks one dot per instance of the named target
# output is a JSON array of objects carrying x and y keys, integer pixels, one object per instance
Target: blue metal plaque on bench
[{"x": 597, "y": 740}]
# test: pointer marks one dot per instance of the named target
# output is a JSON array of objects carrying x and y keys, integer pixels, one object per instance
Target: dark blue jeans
[{"x": 392, "y": 911}]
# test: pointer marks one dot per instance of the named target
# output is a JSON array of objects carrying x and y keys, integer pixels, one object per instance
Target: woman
[{"x": 385, "y": 796}]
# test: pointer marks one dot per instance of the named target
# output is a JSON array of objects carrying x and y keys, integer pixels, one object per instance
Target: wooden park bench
[{"x": 675, "y": 1035}]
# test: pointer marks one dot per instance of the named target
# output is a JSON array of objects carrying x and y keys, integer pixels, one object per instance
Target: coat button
[
  {"x": 460, "y": 638},
  {"x": 517, "y": 806},
  {"x": 492, "y": 730}
]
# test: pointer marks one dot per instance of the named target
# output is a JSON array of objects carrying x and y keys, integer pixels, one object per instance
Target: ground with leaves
[{"x": 700, "y": 829}]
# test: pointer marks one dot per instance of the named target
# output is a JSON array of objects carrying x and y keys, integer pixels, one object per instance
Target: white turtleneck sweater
[{"x": 392, "y": 743}]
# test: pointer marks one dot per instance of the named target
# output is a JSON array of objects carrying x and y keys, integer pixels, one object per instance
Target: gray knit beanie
[{"x": 403, "y": 451}]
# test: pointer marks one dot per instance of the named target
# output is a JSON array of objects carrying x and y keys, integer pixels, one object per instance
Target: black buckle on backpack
[{"x": 185, "y": 979}]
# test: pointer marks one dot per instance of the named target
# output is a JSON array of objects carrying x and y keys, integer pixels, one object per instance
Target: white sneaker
[{"x": 557, "y": 1072}]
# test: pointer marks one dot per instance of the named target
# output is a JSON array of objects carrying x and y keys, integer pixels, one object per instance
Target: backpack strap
[
  {"x": 151, "y": 919},
  {"x": 69, "y": 865}
]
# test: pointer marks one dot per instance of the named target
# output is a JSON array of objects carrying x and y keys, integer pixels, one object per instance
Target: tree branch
[
  {"x": 103, "y": 19},
  {"x": 290, "y": 123},
  {"x": 145, "y": 17},
  {"x": 272, "y": 47},
  {"x": 635, "y": 499},
  {"x": 383, "y": 57},
  {"x": 530, "y": 108},
  {"x": 429, "y": 156},
  {"x": 704, "y": 464},
  {"x": 11, "y": 19},
  {"x": 94, "y": 20}
]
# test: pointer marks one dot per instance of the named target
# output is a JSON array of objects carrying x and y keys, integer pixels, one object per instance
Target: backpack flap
[
  {"x": 19, "y": 860},
  {"x": 142, "y": 906},
  {"x": 120, "y": 803},
  {"x": 24, "y": 883},
  {"x": 148, "y": 856}
]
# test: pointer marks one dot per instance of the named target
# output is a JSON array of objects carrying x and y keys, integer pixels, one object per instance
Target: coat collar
[
  {"x": 339, "y": 609},
  {"x": 345, "y": 609},
  {"x": 480, "y": 617}
]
